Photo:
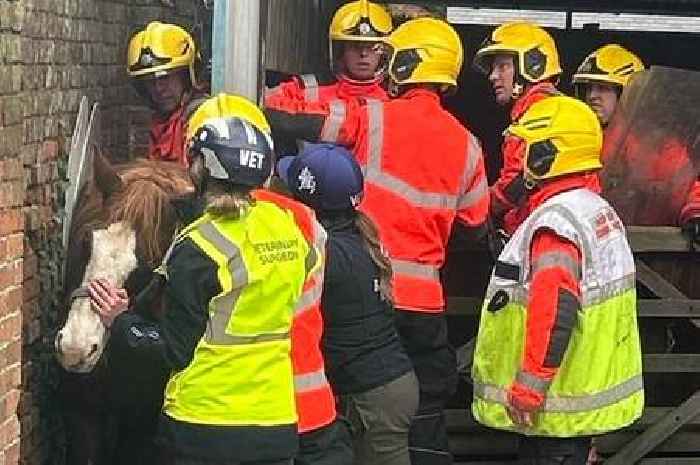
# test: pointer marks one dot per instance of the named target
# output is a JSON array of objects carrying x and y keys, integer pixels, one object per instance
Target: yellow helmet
[
  {"x": 535, "y": 50},
  {"x": 563, "y": 136},
  {"x": 610, "y": 64},
  {"x": 226, "y": 106},
  {"x": 360, "y": 21},
  {"x": 159, "y": 49},
  {"x": 425, "y": 50}
]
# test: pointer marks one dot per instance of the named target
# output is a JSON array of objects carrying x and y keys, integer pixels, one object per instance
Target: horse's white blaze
[{"x": 81, "y": 341}]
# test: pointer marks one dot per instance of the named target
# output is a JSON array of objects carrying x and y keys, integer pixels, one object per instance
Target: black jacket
[{"x": 361, "y": 346}]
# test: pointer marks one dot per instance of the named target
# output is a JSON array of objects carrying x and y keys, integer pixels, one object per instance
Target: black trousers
[
  {"x": 329, "y": 445},
  {"x": 424, "y": 337},
  {"x": 534, "y": 450}
]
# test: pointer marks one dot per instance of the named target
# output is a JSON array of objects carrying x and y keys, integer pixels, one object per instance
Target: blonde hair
[
  {"x": 370, "y": 236},
  {"x": 221, "y": 198}
]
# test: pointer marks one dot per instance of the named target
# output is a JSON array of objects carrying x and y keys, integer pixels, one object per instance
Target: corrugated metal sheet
[
  {"x": 295, "y": 39},
  {"x": 493, "y": 16}
]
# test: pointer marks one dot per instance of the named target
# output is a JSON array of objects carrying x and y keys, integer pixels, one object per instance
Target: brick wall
[{"x": 51, "y": 53}]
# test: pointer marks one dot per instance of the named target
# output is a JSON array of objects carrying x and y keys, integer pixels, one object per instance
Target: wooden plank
[
  {"x": 668, "y": 308},
  {"x": 657, "y": 239},
  {"x": 646, "y": 308},
  {"x": 461, "y": 420},
  {"x": 671, "y": 461},
  {"x": 671, "y": 363},
  {"x": 656, "y": 434},
  {"x": 656, "y": 283}
]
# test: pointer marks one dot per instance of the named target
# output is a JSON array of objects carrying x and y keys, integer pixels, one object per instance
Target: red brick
[
  {"x": 14, "y": 246},
  {"x": 12, "y": 454},
  {"x": 9, "y": 431},
  {"x": 11, "y": 402},
  {"x": 10, "y": 378},
  {"x": 10, "y": 353},
  {"x": 6, "y": 276},
  {"x": 10, "y": 300},
  {"x": 10, "y": 328},
  {"x": 49, "y": 150},
  {"x": 11, "y": 221}
]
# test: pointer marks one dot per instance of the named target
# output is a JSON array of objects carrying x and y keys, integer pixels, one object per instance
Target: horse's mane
[{"x": 144, "y": 203}]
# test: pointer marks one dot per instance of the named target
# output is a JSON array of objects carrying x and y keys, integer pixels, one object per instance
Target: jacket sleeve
[
  {"x": 552, "y": 311},
  {"x": 473, "y": 203},
  {"x": 192, "y": 283},
  {"x": 336, "y": 121},
  {"x": 291, "y": 89},
  {"x": 691, "y": 209},
  {"x": 508, "y": 192}
]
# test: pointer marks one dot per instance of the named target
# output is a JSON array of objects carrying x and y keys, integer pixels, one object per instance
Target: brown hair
[{"x": 370, "y": 236}]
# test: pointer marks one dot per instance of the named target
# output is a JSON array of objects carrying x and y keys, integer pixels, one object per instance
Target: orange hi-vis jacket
[
  {"x": 423, "y": 170},
  {"x": 312, "y": 88},
  {"x": 508, "y": 192},
  {"x": 314, "y": 398}
]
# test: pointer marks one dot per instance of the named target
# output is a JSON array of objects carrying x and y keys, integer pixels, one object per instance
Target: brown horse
[{"x": 122, "y": 226}]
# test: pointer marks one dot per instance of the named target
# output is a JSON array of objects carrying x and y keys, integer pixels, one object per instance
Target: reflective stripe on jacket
[
  {"x": 311, "y": 88},
  {"x": 241, "y": 373},
  {"x": 598, "y": 387},
  {"x": 423, "y": 170},
  {"x": 314, "y": 397}
]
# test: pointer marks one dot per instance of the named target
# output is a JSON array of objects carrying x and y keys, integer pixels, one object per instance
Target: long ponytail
[{"x": 370, "y": 236}]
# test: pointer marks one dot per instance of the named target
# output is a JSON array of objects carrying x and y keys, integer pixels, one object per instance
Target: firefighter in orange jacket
[
  {"x": 522, "y": 63},
  {"x": 424, "y": 175},
  {"x": 357, "y": 63},
  {"x": 161, "y": 67},
  {"x": 599, "y": 81}
]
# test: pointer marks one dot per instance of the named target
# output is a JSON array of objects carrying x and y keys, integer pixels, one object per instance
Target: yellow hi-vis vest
[
  {"x": 241, "y": 372},
  {"x": 598, "y": 387}
]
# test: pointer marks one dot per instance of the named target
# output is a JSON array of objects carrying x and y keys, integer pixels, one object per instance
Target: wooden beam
[
  {"x": 461, "y": 421},
  {"x": 647, "y": 441},
  {"x": 656, "y": 283},
  {"x": 671, "y": 363},
  {"x": 668, "y": 308},
  {"x": 657, "y": 239}
]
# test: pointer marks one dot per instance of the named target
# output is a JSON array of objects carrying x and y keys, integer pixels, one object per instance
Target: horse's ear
[{"x": 106, "y": 178}]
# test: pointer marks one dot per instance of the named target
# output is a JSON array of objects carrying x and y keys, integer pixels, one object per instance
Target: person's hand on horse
[{"x": 107, "y": 300}]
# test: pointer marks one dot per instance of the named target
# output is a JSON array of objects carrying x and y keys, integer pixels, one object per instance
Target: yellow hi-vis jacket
[
  {"x": 598, "y": 387},
  {"x": 241, "y": 371}
]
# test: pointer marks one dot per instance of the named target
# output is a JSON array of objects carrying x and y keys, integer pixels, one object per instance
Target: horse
[{"x": 124, "y": 221}]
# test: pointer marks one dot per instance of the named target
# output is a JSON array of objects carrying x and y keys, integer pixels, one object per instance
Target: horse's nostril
[
  {"x": 59, "y": 338},
  {"x": 93, "y": 349}
]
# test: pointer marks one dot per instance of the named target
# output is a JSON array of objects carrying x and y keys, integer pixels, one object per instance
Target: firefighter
[
  {"x": 522, "y": 64},
  {"x": 357, "y": 61},
  {"x": 424, "y": 174},
  {"x": 558, "y": 356},
  {"x": 161, "y": 65},
  {"x": 599, "y": 81},
  {"x": 231, "y": 398}
]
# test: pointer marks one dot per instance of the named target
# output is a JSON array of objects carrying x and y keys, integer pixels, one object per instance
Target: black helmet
[{"x": 234, "y": 151}]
